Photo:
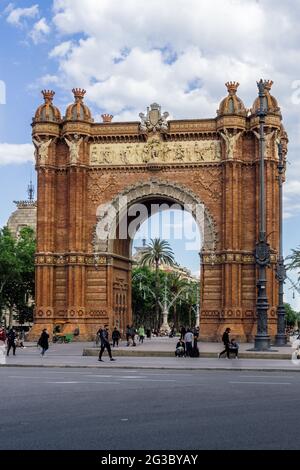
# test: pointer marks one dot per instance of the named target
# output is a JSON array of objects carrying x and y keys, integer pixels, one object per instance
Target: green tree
[
  {"x": 294, "y": 261},
  {"x": 291, "y": 316},
  {"x": 17, "y": 272},
  {"x": 176, "y": 285},
  {"x": 143, "y": 281},
  {"x": 158, "y": 251}
]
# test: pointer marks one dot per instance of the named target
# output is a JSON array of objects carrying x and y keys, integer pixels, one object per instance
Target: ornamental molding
[
  {"x": 107, "y": 214},
  {"x": 155, "y": 151}
]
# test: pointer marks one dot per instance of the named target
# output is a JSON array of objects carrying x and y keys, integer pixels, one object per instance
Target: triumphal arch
[{"x": 90, "y": 174}]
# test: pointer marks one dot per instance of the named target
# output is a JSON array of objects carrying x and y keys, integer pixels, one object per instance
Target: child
[
  {"x": 180, "y": 349},
  {"x": 234, "y": 347}
]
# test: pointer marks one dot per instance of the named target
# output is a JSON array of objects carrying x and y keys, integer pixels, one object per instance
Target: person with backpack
[{"x": 226, "y": 342}]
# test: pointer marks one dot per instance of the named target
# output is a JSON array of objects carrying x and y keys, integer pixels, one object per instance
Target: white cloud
[
  {"x": 61, "y": 50},
  {"x": 16, "y": 15},
  {"x": 39, "y": 31},
  {"x": 44, "y": 81},
  {"x": 16, "y": 153},
  {"x": 47, "y": 79}
]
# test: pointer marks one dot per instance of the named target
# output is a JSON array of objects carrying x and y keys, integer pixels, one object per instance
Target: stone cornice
[
  {"x": 129, "y": 131},
  {"x": 231, "y": 257}
]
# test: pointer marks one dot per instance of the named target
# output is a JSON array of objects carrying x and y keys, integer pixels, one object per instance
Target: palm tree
[
  {"x": 294, "y": 261},
  {"x": 158, "y": 251}
]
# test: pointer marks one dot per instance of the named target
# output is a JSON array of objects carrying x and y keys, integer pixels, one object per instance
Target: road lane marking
[
  {"x": 261, "y": 383},
  {"x": 148, "y": 380},
  {"x": 77, "y": 382},
  {"x": 265, "y": 376},
  {"x": 73, "y": 382},
  {"x": 132, "y": 376}
]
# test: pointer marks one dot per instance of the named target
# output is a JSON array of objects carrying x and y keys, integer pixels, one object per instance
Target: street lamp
[
  {"x": 262, "y": 252},
  {"x": 280, "y": 338}
]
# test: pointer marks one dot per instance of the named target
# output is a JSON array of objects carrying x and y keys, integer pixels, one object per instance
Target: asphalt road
[{"x": 148, "y": 410}]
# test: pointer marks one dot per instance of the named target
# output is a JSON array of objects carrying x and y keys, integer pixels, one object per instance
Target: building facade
[{"x": 90, "y": 176}]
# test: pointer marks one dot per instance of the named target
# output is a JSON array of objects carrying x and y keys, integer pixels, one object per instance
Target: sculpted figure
[
  {"x": 230, "y": 142},
  {"x": 74, "y": 148},
  {"x": 268, "y": 139},
  {"x": 198, "y": 153},
  {"x": 143, "y": 124},
  {"x": 41, "y": 152},
  {"x": 125, "y": 155},
  {"x": 94, "y": 154},
  {"x": 179, "y": 153},
  {"x": 107, "y": 155}
]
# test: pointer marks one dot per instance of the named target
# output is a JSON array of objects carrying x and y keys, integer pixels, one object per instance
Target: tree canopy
[{"x": 17, "y": 273}]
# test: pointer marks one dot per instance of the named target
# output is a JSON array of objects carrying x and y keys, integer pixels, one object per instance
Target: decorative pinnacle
[
  {"x": 106, "y": 118},
  {"x": 264, "y": 85},
  {"x": 232, "y": 87},
  {"x": 78, "y": 93},
  {"x": 48, "y": 95},
  {"x": 30, "y": 191},
  {"x": 268, "y": 84}
]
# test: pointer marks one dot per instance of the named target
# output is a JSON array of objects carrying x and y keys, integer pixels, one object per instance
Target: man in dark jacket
[
  {"x": 44, "y": 341},
  {"x": 105, "y": 344},
  {"x": 226, "y": 341},
  {"x": 116, "y": 335},
  {"x": 11, "y": 342}
]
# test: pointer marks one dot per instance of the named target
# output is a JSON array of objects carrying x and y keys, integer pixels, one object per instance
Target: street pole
[
  {"x": 262, "y": 252},
  {"x": 198, "y": 310},
  {"x": 165, "y": 327},
  {"x": 280, "y": 338}
]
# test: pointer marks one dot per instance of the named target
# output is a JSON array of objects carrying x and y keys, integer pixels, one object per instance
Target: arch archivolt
[{"x": 110, "y": 214}]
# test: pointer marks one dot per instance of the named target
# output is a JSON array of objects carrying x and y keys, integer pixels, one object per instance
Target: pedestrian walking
[
  {"x": 141, "y": 333},
  {"x": 128, "y": 335},
  {"x": 11, "y": 341},
  {"x": 21, "y": 339},
  {"x": 43, "y": 342},
  {"x": 188, "y": 339},
  {"x": 226, "y": 341},
  {"x": 98, "y": 336},
  {"x": 2, "y": 345},
  {"x": 116, "y": 335},
  {"x": 105, "y": 344},
  {"x": 132, "y": 334}
]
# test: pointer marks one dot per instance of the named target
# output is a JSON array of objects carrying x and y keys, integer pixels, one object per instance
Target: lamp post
[
  {"x": 280, "y": 338},
  {"x": 198, "y": 310},
  {"x": 262, "y": 252}
]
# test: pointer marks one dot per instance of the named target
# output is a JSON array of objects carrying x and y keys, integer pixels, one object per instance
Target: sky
[{"x": 130, "y": 53}]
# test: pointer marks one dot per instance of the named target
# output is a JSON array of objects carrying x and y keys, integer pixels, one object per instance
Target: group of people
[
  {"x": 11, "y": 339},
  {"x": 187, "y": 344}
]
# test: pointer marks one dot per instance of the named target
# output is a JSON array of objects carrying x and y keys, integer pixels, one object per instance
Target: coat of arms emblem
[{"x": 154, "y": 121}]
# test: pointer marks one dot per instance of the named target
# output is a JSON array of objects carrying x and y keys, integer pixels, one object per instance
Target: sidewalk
[
  {"x": 165, "y": 347},
  {"x": 157, "y": 353}
]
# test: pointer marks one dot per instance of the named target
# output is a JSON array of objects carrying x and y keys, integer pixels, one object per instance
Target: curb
[
  {"x": 211, "y": 355},
  {"x": 137, "y": 367}
]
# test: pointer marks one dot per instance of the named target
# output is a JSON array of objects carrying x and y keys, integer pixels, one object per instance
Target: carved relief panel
[{"x": 155, "y": 151}]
